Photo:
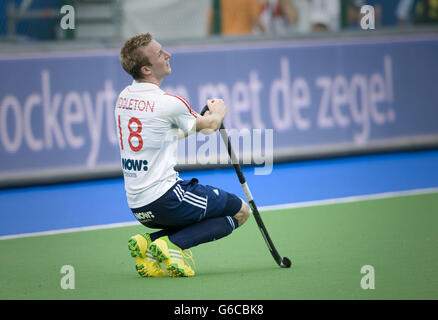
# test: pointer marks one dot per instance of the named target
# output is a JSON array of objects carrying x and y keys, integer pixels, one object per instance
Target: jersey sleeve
[{"x": 181, "y": 113}]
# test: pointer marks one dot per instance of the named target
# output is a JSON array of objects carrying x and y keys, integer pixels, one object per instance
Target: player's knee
[{"x": 243, "y": 214}]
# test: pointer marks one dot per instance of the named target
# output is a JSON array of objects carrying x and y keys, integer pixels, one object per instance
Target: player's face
[{"x": 159, "y": 58}]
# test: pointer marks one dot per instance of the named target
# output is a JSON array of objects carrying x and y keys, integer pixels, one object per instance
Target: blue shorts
[{"x": 187, "y": 202}]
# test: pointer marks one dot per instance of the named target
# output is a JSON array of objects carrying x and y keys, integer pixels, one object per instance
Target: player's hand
[{"x": 217, "y": 106}]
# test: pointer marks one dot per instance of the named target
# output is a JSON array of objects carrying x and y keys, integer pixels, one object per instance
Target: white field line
[
  {"x": 376, "y": 196},
  {"x": 58, "y": 231},
  {"x": 385, "y": 195}
]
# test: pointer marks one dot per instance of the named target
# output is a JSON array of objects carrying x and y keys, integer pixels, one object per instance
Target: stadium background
[{"x": 354, "y": 119}]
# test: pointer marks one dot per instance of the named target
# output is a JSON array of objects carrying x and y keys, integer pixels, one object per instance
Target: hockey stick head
[{"x": 285, "y": 263}]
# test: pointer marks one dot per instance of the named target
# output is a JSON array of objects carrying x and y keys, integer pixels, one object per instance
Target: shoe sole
[
  {"x": 172, "y": 268},
  {"x": 134, "y": 248}
]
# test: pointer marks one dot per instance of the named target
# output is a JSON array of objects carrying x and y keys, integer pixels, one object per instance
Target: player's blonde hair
[{"x": 132, "y": 58}]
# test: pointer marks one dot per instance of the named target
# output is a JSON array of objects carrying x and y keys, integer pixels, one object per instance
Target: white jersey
[{"x": 147, "y": 122}]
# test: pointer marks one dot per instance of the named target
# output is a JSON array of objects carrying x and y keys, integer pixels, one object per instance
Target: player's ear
[{"x": 145, "y": 70}]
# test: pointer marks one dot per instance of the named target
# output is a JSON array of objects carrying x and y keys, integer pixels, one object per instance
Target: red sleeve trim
[{"x": 192, "y": 112}]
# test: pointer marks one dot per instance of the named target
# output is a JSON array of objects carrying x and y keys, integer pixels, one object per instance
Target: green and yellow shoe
[
  {"x": 145, "y": 264},
  {"x": 173, "y": 257}
]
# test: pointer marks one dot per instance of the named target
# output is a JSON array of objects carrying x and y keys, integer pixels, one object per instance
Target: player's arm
[{"x": 210, "y": 121}]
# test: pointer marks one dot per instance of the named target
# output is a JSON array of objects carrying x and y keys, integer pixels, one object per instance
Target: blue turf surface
[{"x": 102, "y": 202}]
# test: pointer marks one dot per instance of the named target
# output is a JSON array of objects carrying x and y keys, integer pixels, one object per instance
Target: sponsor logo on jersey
[
  {"x": 134, "y": 165},
  {"x": 144, "y": 216}
]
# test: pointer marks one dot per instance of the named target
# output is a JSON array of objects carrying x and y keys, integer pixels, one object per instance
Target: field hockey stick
[{"x": 282, "y": 262}]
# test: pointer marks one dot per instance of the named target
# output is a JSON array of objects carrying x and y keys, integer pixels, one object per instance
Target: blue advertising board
[{"x": 57, "y": 110}]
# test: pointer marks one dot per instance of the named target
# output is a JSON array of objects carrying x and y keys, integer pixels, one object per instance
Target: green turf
[{"x": 328, "y": 246}]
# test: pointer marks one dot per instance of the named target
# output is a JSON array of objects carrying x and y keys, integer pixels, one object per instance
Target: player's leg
[
  {"x": 205, "y": 213},
  {"x": 165, "y": 231},
  {"x": 170, "y": 214},
  {"x": 218, "y": 214},
  {"x": 213, "y": 227},
  {"x": 171, "y": 249},
  {"x": 243, "y": 213}
]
